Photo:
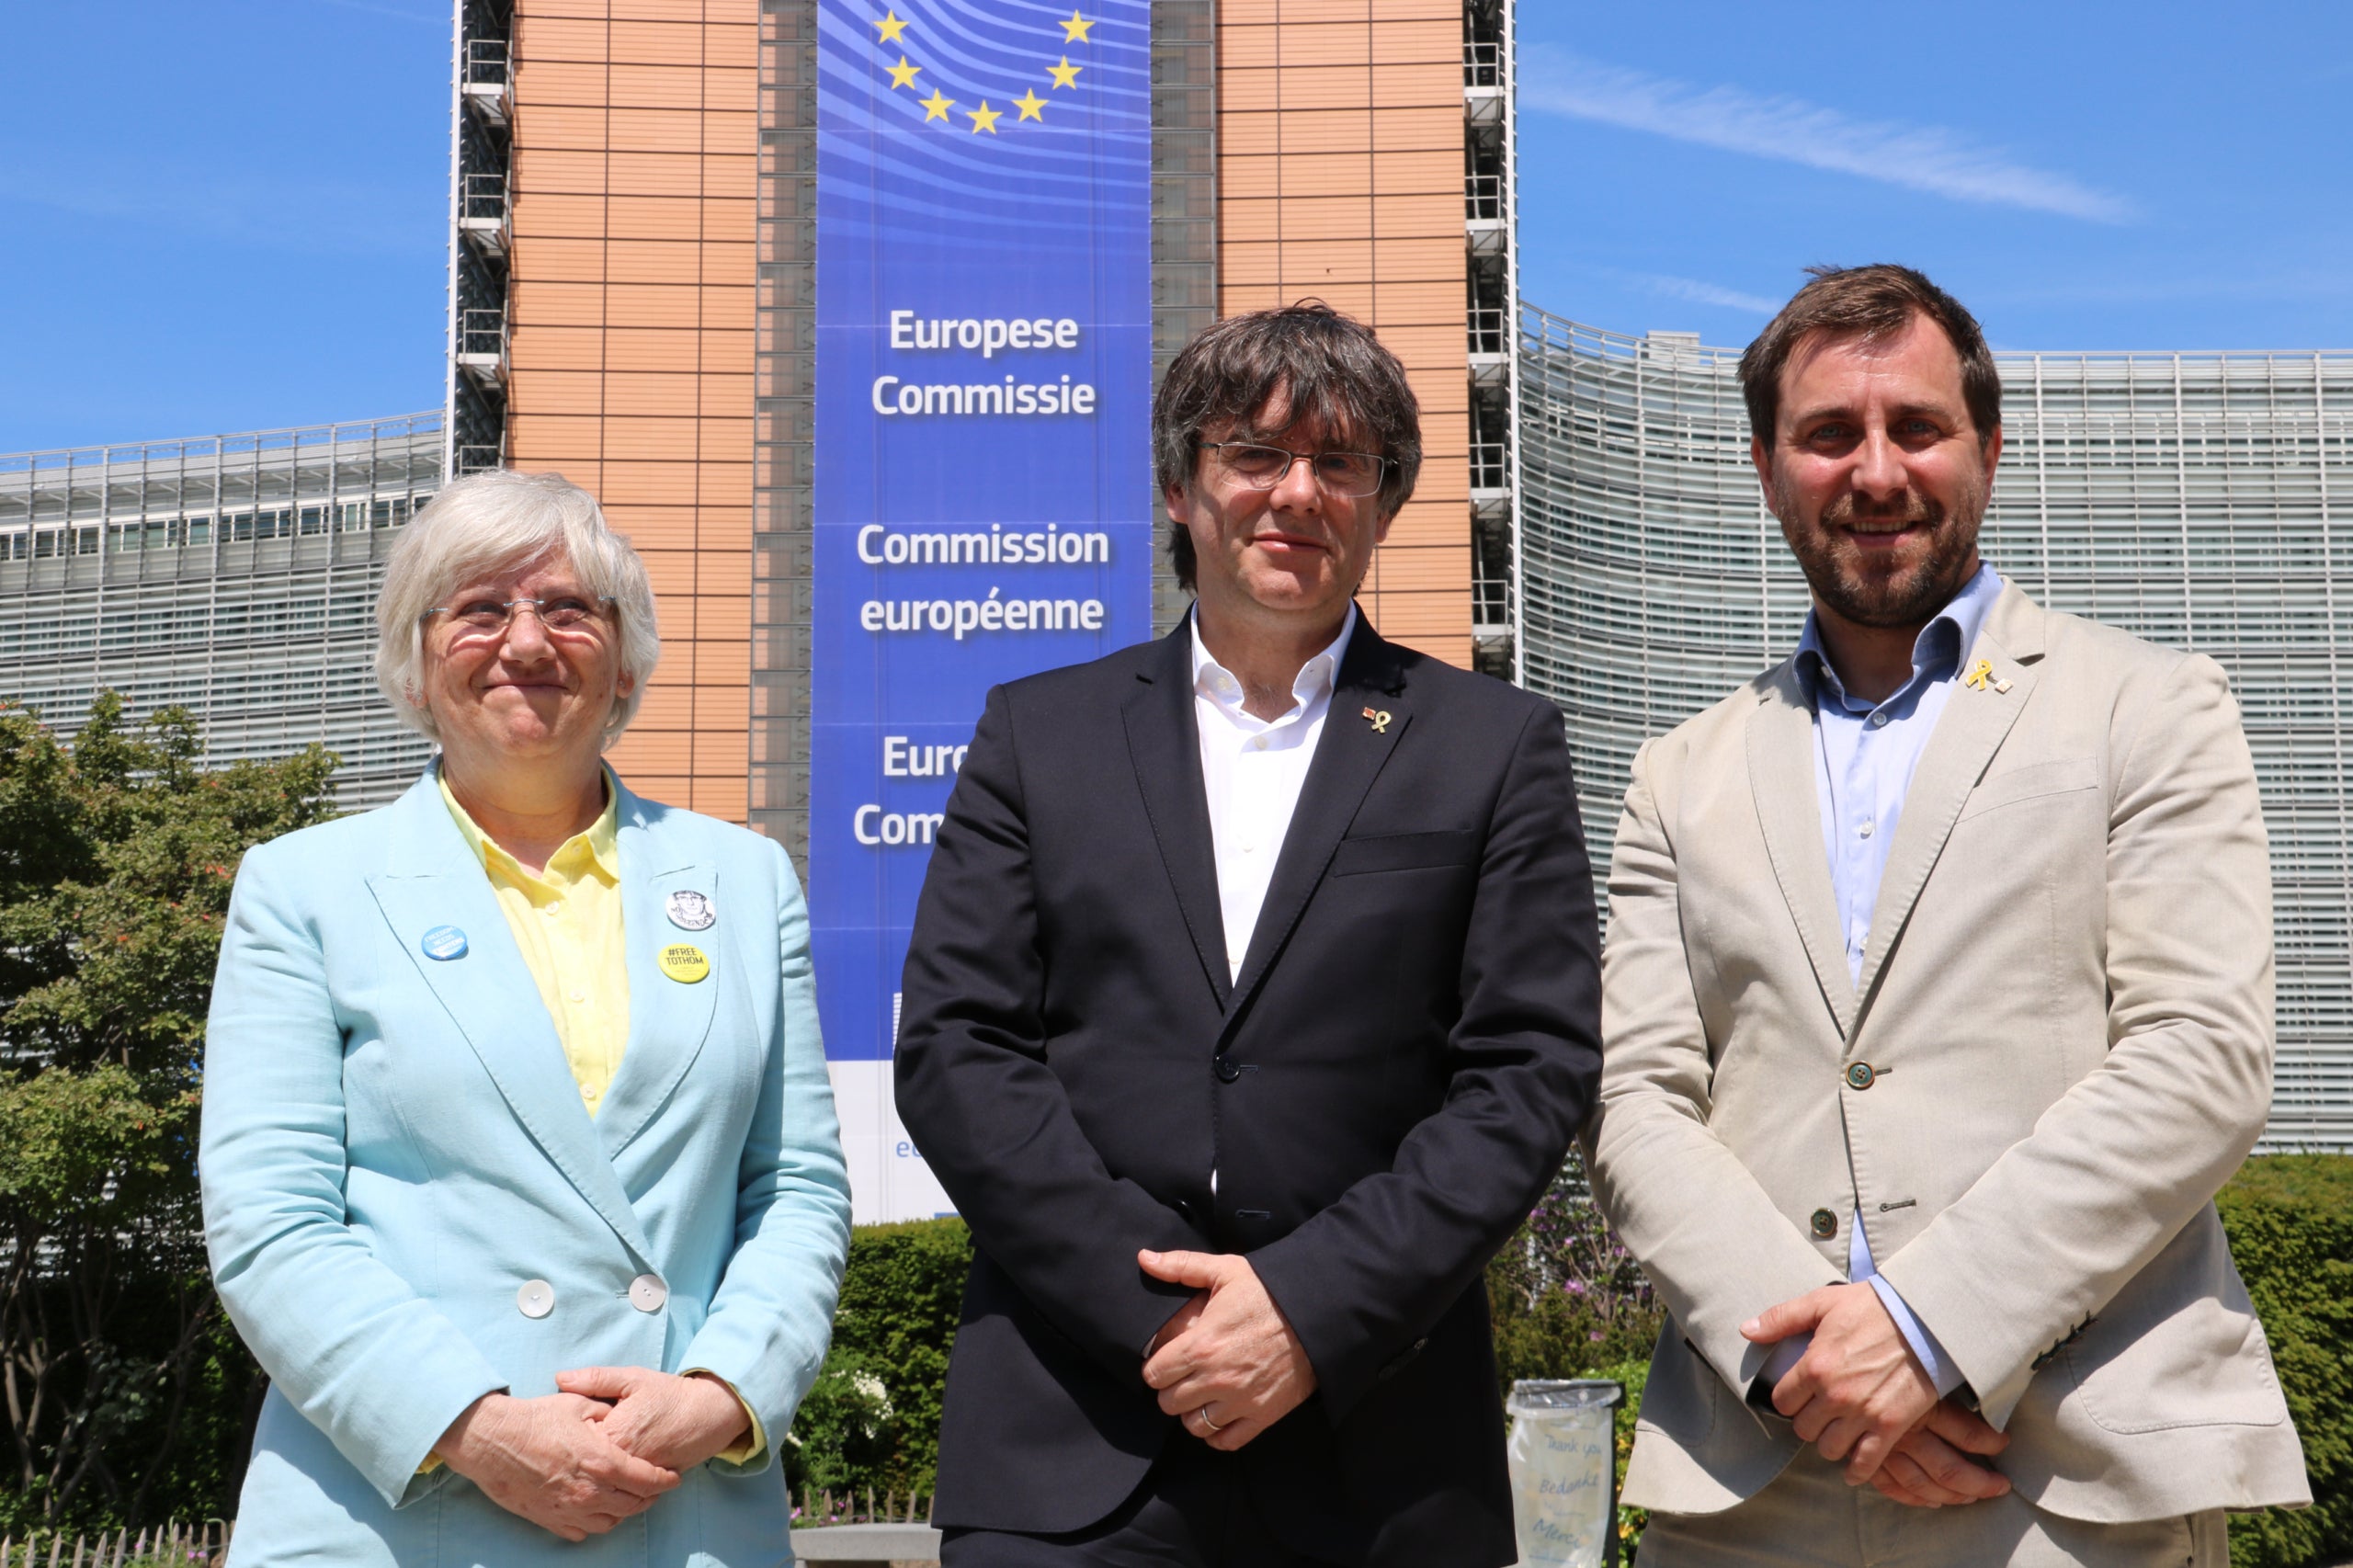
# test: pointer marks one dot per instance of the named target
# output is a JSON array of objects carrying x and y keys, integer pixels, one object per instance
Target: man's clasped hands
[
  {"x": 606, "y": 1445},
  {"x": 1229, "y": 1366},
  {"x": 1860, "y": 1395}
]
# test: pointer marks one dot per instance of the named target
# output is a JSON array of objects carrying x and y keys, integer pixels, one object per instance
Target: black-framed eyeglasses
[
  {"x": 566, "y": 612},
  {"x": 1263, "y": 467}
]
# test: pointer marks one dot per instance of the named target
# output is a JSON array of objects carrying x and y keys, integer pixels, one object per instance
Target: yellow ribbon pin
[
  {"x": 1380, "y": 718},
  {"x": 1981, "y": 676},
  {"x": 684, "y": 963}
]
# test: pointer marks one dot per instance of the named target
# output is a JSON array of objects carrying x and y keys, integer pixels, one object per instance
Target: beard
[{"x": 1867, "y": 594}]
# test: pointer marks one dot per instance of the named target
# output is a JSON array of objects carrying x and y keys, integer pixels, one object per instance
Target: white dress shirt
[{"x": 1251, "y": 769}]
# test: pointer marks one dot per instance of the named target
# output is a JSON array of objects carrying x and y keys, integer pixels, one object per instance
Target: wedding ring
[{"x": 1204, "y": 1414}]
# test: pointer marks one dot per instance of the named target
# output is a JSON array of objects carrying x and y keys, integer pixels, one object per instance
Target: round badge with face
[{"x": 691, "y": 911}]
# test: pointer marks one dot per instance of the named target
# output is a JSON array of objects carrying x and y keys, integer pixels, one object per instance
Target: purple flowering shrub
[{"x": 1568, "y": 1298}]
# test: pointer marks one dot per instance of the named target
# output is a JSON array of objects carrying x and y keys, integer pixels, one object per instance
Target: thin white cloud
[
  {"x": 1920, "y": 157},
  {"x": 304, "y": 214},
  {"x": 1699, "y": 293},
  {"x": 440, "y": 20}
]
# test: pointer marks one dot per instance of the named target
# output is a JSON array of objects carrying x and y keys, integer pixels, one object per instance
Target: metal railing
[
  {"x": 1482, "y": 65},
  {"x": 1489, "y": 465},
  {"x": 483, "y": 197},
  {"x": 481, "y": 330},
  {"x": 1482, "y": 198},
  {"x": 486, "y": 62},
  {"x": 1490, "y": 594},
  {"x": 186, "y": 450},
  {"x": 1490, "y": 331}
]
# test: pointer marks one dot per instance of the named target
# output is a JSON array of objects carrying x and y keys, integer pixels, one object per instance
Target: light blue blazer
[{"x": 395, "y": 1151}]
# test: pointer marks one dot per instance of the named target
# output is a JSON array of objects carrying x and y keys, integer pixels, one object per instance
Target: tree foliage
[{"x": 123, "y": 1388}]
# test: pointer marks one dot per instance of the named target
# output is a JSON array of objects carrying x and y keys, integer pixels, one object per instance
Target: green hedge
[
  {"x": 2291, "y": 1223},
  {"x": 873, "y": 1419}
]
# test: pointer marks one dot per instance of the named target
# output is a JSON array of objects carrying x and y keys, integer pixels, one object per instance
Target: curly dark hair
[{"x": 1300, "y": 363}]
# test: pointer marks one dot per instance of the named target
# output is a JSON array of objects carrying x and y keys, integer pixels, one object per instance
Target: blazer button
[
  {"x": 1228, "y": 1068},
  {"x": 535, "y": 1299},
  {"x": 1826, "y": 1224},
  {"x": 646, "y": 1293},
  {"x": 1862, "y": 1075}
]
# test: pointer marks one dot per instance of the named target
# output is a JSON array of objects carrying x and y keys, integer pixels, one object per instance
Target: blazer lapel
[
  {"x": 1974, "y": 725},
  {"x": 669, "y": 1021},
  {"x": 1348, "y": 757},
  {"x": 1166, "y": 747},
  {"x": 1780, "y": 775},
  {"x": 433, "y": 880}
]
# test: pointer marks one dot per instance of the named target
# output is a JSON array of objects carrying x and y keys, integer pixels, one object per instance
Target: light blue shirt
[{"x": 1864, "y": 756}]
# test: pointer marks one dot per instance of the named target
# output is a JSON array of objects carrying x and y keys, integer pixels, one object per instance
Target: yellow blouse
[{"x": 567, "y": 920}]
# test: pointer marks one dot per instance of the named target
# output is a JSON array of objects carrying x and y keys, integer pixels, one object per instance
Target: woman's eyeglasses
[{"x": 567, "y": 613}]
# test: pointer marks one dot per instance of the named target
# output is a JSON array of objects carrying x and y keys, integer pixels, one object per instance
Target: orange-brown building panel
[
  {"x": 1321, "y": 104},
  {"x": 635, "y": 156}
]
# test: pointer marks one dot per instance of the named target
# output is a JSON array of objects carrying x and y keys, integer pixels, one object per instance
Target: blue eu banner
[{"x": 982, "y": 479}]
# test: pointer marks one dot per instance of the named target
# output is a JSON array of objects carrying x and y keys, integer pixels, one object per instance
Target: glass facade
[
  {"x": 233, "y": 575},
  {"x": 2197, "y": 500}
]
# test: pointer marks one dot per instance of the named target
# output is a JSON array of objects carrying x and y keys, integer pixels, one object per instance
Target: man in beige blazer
[{"x": 1936, "y": 1007}]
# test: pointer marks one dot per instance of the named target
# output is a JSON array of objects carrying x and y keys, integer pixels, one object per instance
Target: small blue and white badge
[{"x": 444, "y": 942}]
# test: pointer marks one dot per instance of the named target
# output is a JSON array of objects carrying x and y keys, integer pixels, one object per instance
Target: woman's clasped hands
[{"x": 599, "y": 1450}]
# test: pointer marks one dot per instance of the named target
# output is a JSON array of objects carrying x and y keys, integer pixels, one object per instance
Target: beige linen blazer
[{"x": 2065, "y": 1004}]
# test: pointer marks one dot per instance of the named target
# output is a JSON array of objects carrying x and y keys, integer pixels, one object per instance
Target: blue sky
[
  {"x": 230, "y": 215},
  {"x": 220, "y": 216},
  {"x": 2083, "y": 176}
]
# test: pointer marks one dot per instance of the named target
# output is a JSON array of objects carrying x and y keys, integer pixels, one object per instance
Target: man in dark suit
[{"x": 1252, "y": 1001}]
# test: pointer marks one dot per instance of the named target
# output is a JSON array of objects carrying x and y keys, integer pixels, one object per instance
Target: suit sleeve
[
  {"x": 1718, "y": 1262},
  {"x": 974, "y": 1090},
  {"x": 1363, "y": 1279},
  {"x": 772, "y": 1316},
  {"x": 2067, "y": 1216},
  {"x": 366, "y": 1360}
]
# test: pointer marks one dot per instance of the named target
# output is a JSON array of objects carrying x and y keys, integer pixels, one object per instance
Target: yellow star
[
  {"x": 1074, "y": 31},
  {"x": 892, "y": 27},
  {"x": 983, "y": 118},
  {"x": 936, "y": 106},
  {"x": 1029, "y": 103},
  {"x": 1065, "y": 74},
  {"x": 902, "y": 74}
]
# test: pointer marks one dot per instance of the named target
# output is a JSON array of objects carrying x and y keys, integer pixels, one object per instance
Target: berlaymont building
[{"x": 630, "y": 279}]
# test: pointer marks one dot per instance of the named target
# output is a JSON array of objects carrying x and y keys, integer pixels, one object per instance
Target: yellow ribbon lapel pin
[
  {"x": 1981, "y": 678},
  {"x": 1379, "y": 719}
]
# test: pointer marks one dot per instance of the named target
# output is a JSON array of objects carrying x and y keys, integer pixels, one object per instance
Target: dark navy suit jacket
[{"x": 1384, "y": 1093}]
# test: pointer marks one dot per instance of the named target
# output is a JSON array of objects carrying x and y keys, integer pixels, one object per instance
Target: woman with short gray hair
[
  {"x": 521, "y": 1176},
  {"x": 500, "y": 519}
]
